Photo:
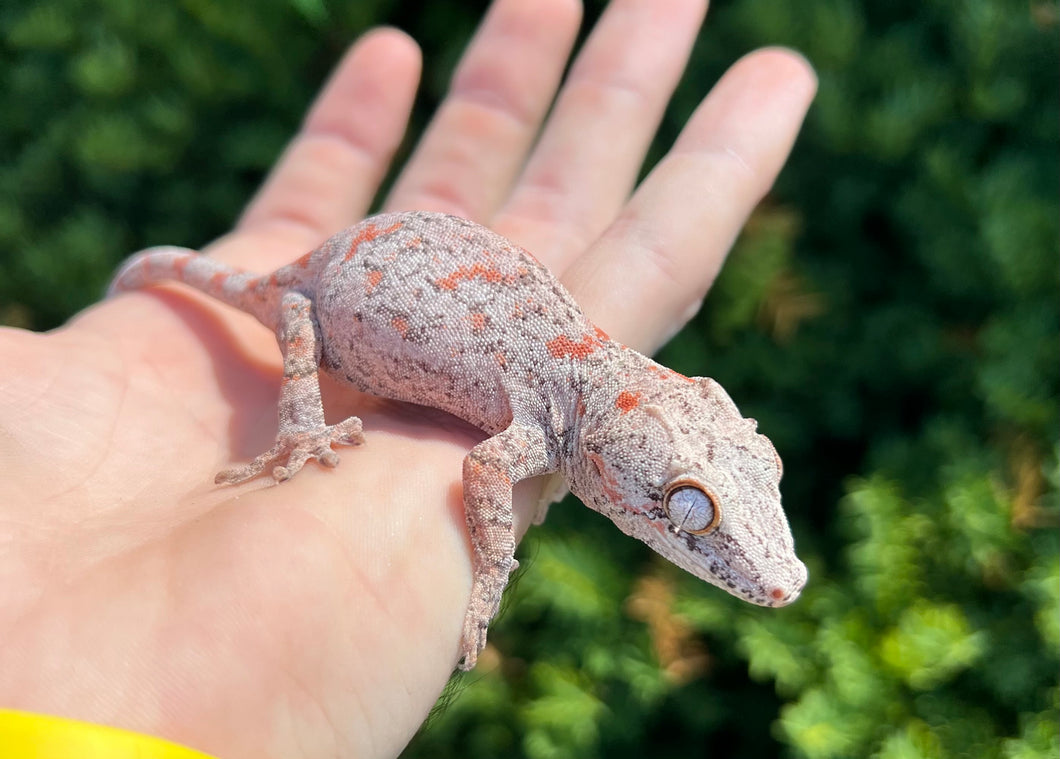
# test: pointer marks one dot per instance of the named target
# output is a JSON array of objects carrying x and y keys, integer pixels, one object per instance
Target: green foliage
[
  {"x": 128, "y": 124},
  {"x": 890, "y": 316}
]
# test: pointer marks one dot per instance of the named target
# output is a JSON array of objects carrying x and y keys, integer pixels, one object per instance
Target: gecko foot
[
  {"x": 472, "y": 642},
  {"x": 293, "y": 449},
  {"x": 485, "y": 601}
]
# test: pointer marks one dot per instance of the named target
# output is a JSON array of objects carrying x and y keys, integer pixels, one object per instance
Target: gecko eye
[{"x": 691, "y": 508}]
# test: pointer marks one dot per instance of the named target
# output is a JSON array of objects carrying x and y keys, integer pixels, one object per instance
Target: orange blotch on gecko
[
  {"x": 563, "y": 346},
  {"x": 476, "y": 270},
  {"x": 627, "y": 401},
  {"x": 664, "y": 373},
  {"x": 478, "y": 321},
  {"x": 608, "y": 483},
  {"x": 369, "y": 232},
  {"x": 488, "y": 472}
]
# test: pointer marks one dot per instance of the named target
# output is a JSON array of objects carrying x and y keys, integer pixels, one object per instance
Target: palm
[
  {"x": 330, "y": 608},
  {"x": 156, "y": 560}
]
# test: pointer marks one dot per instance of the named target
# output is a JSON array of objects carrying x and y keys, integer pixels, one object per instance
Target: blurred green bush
[{"x": 890, "y": 316}]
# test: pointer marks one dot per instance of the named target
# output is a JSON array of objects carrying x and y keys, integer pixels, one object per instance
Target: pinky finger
[{"x": 649, "y": 270}]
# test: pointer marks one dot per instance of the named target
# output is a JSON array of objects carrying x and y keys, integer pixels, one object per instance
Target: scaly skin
[{"x": 441, "y": 311}]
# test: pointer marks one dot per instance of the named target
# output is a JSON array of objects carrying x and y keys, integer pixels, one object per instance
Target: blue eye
[{"x": 691, "y": 508}]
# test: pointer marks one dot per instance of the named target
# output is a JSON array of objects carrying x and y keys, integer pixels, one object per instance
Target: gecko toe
[
  {"x": 281, "y": 474},
  {"x": 348, "y": 432},
  {"x": 234, "y": 475}
]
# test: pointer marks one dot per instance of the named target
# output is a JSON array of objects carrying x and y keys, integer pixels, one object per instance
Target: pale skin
[{"x": 322, "y": 617}]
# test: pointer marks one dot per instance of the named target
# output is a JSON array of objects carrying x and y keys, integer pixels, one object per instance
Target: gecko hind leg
[{"x": 302, "y": 435}]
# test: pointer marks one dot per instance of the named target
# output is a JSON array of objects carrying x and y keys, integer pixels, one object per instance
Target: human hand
[{"x": 322, "y": 617}]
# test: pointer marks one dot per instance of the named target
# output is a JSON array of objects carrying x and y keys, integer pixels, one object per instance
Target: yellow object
[{"x": 38, "y": 736}]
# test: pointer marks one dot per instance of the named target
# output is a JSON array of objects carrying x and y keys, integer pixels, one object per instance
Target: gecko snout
[{"x": 784, "y": 594}]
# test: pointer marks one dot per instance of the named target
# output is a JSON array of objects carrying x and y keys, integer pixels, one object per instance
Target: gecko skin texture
[{"x": 443, "y": 312}]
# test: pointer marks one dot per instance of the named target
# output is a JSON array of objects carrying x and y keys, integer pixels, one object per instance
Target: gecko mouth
[{"x": 768, "y": 582}]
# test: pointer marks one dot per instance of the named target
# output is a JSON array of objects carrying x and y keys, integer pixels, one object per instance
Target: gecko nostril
[{"x": 777, "y": 594}]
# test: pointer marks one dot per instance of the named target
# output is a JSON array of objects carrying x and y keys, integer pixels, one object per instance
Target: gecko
[{"x": 440, "y": 311}]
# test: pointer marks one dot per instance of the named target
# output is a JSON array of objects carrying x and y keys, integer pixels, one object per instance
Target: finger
[
  {"x": 478, "y": 140},
  {"x": 647, "y": 274},
  {"x": 592, "y": 148},
  {"x": 331, "y": 170}
]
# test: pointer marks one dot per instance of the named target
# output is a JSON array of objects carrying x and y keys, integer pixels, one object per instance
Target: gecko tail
[{"x": 247, "y": 292}]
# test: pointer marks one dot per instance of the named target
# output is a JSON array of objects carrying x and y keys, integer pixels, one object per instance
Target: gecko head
[{"x": 681, "y": 470}]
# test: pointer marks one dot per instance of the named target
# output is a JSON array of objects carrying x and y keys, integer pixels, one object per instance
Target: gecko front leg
[
  {"x": 491, "y": 469},
  {"x": 302, "y": 432}
]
